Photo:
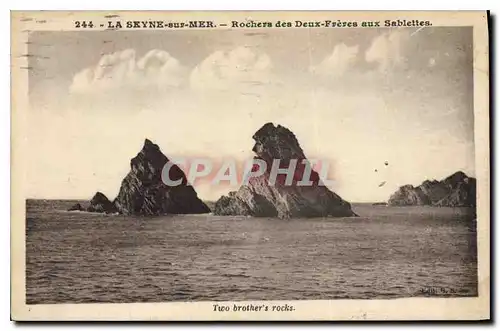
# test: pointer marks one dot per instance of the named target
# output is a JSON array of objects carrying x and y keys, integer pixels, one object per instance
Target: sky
[{"x": 356, "y": 98}]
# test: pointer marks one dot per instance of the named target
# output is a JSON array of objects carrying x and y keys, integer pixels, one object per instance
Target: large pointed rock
[
  {"x": 457, "y": 190},
  {"x": 143, "y": 192},
  {"x": 259, "y": 198}
]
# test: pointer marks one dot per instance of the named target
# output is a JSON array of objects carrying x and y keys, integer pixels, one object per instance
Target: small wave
[
  {"x": 236, "y": 275},
  {"x": 52, "y": 275}
]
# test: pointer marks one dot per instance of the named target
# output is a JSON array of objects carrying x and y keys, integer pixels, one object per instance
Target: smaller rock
[
  {"x": 408, "y": 195},
  {"x": 457, "y": 190},
  {"x": 101, "y": 204},
  {"x": 76, "y": 206}
]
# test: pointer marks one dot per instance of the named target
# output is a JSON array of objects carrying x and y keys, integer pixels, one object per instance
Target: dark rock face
[
  {"x": 408, "y": 195},
  {"x": 101, "y": 204},
  {"x": 76, "y": 206},
  {"x": 259, "y": 198},
  {"x": 143, "y": 192},
  {"x": 457, "y": 190}
]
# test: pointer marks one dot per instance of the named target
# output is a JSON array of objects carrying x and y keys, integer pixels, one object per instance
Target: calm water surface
[{"x": 388, "y": 252}]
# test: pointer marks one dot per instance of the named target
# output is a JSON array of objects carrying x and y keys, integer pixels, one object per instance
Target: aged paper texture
[{"x": 201, "y": 166}]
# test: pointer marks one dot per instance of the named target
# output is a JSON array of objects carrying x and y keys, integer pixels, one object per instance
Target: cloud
[
  {"x": 338, "y": 62},
  {"x": 240, "y": 68},
  {"x": 156, "y": 69},
  {"x": 387, "y": 50}
]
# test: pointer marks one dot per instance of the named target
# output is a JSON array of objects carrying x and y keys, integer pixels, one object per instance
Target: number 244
[{"x": 84, "y": 24}]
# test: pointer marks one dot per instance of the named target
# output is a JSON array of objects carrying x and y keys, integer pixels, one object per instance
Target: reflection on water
[{"x": 388, "y": 252}]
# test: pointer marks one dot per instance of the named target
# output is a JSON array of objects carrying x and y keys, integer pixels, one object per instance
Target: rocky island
[
  {"x": 258, "y": 198},
  {"x": 457, "y": 190},
  {"x": 98, "y": 204},
  {"x": 143, "y": 192}
]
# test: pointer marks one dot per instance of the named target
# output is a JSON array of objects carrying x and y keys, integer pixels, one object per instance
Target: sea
[{"x": 386, "y": 252}]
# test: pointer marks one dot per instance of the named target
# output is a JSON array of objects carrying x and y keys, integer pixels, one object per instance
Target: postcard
[{"x": 250, "y": 166}]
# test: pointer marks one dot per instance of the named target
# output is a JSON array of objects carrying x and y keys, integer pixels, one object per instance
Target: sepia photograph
[{"x": 250, "y": 162}]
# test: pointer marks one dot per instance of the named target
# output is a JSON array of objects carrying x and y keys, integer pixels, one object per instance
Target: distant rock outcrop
[
  {"x": 143, "y": 192},
  {"x": 101, "y": 204},
  {"x": 457, "y": 190},
  {"x": 76, "y": 206},
  {"x": 259, "y": 198}
]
